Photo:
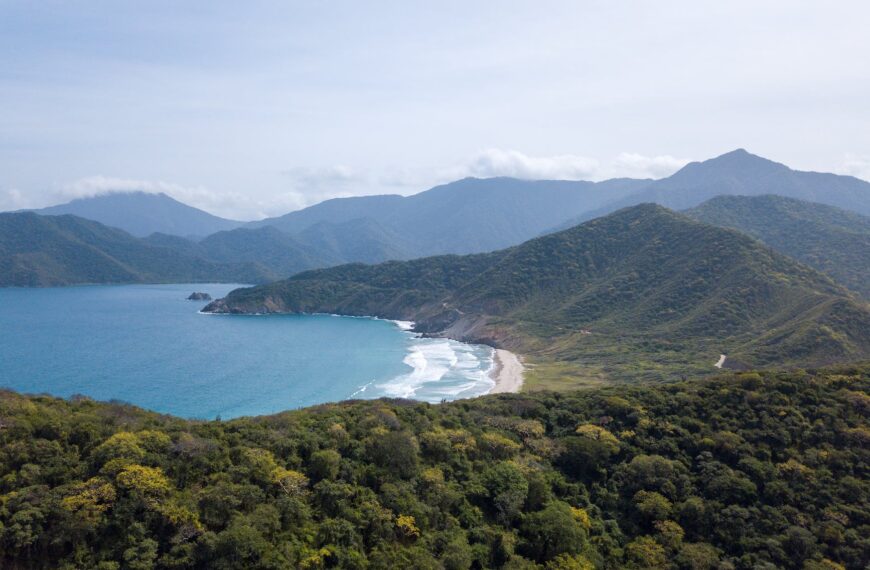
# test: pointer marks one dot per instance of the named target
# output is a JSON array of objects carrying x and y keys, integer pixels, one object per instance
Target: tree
[
  {"x": 324, "y": 464},
  {"x": 506, "y": 488},
  {"x": 553, "y": 531}
]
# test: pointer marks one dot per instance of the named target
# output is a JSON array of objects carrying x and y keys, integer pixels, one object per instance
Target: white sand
[
  {"x": 507, "y": 372},
  {"x": 721, "y": 361}
]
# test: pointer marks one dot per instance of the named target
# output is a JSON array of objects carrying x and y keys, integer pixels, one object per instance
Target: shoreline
[
  {"x": 507, "y": 368},
  {"x": 507, "y": 372}
]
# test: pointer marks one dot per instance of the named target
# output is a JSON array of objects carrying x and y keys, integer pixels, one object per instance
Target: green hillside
[
  {"x": 644, "y": 293},
  {"x": 834, "y": 241},
  {"x": 754, "y": 470},
  {"x": 37, "y": 251}
]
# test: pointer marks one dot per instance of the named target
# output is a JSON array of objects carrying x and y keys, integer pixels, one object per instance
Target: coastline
[
  {"x": 507, "y": 368},
  {"x": 507, "y": 372}
]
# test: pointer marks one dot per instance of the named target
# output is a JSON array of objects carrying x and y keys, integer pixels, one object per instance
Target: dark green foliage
[
  {"x": 744, "y": 471},
  {"x": 834, "y": 241},
  {"x": 660, "y": 293}
]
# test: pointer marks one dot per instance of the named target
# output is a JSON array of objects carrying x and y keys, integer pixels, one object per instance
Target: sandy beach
[{"x": 507, "y": 372}]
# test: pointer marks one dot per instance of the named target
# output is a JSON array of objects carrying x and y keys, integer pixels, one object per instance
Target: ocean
[{"x": 149, "y": 346}]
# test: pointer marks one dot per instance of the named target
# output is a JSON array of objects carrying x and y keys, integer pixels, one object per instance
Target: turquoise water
[{"x": 148, "y": 345}]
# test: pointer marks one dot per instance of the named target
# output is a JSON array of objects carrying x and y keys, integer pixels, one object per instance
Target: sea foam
[{"x": 440, "y": 369}]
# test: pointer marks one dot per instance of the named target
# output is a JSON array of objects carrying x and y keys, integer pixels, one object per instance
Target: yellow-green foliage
[{"x": 732, "y": 472}]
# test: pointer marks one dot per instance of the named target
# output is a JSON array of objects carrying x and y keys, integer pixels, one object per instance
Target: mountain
[
  {"x": 638, "y": 294},
  {"x": 280, "y": 252},
  {"x": 142, "y": 213},
  {"x": 740, "y": 173},
  {"x": 834, "y": 241},
  {"x": 38, "y": 250},
  {"x": 323, "y": 244},
  {"x": 466, "y": 216},
  {"x": 358, "y": 240},
  {"x": 336, "y": 210}
]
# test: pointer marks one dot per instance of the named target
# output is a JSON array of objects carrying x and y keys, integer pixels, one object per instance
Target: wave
[{"x": 442, "y": 369}]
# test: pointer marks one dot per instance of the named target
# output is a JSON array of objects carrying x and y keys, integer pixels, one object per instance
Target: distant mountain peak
[
  {"x": 740, "y": 160},
  {"x": 143, "y": 213}
]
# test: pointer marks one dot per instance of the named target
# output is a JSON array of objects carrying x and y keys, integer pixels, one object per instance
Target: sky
[{"x": 250, "y": 109}]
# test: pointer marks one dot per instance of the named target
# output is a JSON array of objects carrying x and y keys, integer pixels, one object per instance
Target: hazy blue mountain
[
  {"x": 38, "y": 250},
  {"x": 142, "y": 213},
  {"x": 280, "y": 252},
  {"x": 469, "y": 215},
  {"x": 826, "y": 238},
  {"x": 323, "y": 244},
  {"x": 335, "y": 211},
  {"x": 363, "y": 240},
  {"x": 739, "y": 173}
]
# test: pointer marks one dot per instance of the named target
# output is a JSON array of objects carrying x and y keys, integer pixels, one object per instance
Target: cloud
[
  {"x": 633, "y": 165},
  {"x": 855, "y": 165},
  {"x": 513, "y": 163},
  {"x": 498, "y": 162},
  {"x": 12, "y": 199},
  {"x": 97, "y": 185},
  {"x": 327, "y": 182}
]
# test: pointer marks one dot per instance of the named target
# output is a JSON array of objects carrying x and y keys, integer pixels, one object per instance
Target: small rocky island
[{"x": 197, "y": 296}]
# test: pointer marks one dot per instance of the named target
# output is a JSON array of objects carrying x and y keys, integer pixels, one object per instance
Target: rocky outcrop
[{"x": 198, "y": 296}]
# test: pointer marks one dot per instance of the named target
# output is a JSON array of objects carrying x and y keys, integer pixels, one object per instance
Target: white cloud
[
  {"x": 855, "y": 165},
  {"x": 633, "y": 165},
  {"x": 97, "y": 185},
  {"x": 499, "y": 162},
  {"x": 12, "y": 199}
]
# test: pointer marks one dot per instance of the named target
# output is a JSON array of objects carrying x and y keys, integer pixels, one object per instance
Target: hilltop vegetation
[
  {"x": 834, "y": 241},
  {"x": 644, "y": 293},
  {"x": 745, "y": 471}
]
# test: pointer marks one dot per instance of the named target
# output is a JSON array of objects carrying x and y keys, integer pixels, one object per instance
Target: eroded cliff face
[
  {"x": 432, "y": 320},
  {"x": 266, "y": 306}
]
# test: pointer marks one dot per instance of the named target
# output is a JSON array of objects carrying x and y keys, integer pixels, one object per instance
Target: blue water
[{"x": 148, "y": 345}]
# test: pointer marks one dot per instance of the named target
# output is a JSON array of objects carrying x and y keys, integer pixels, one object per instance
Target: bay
[{"x": 149, "y": 346}]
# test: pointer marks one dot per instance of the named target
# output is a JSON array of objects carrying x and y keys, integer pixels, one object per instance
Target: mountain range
[
  {"x": 475, "y": 215},
  {"x": 638, "y": 294}
]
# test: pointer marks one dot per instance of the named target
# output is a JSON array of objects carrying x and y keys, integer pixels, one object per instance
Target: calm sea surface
[{"x": 148, "y": 345}]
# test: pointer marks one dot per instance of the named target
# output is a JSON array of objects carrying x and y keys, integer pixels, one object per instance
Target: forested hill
[
  {"x": 746, "y": 471},
  {"x": 826, "y": 238},
  {"x": 38, "y": 251},
  {"x": 642, "y": 293}
]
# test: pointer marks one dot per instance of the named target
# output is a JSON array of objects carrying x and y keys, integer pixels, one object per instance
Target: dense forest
[
  {"x": 834, "y": 241},
  {"x": 744, "y": 470}
]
